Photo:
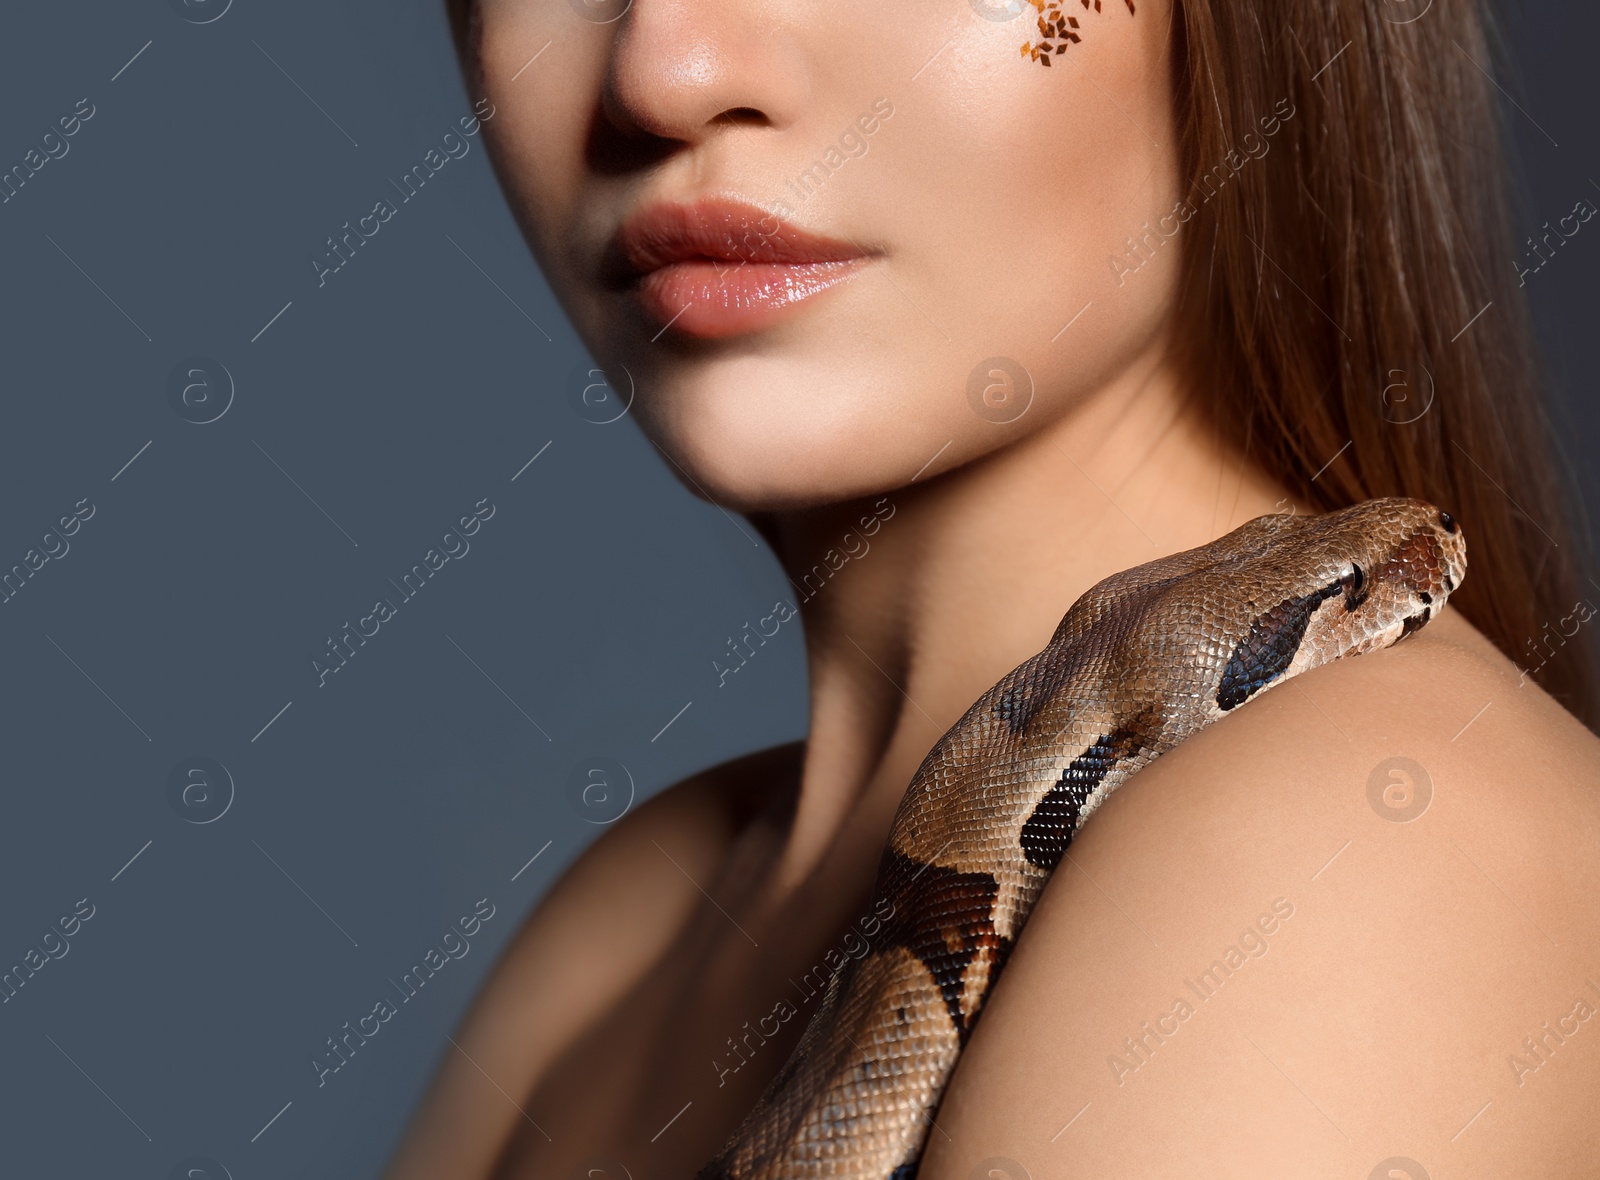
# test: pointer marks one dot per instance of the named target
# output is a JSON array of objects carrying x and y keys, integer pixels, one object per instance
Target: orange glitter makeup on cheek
[{"x": 1057, "y": 29}]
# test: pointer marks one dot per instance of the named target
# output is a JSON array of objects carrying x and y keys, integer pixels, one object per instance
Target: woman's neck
[{"x": 947, "y": 584}]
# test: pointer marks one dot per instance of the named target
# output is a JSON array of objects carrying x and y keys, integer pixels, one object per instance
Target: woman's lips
[
  {"x": 716, "y": 299},
  {"x": 718, "y": 268}
]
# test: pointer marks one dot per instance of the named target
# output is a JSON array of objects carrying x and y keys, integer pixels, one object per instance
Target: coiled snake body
[{"x": 1139, "y": 663}]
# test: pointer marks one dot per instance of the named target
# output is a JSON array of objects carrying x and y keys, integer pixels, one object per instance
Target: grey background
[{"x": 367, "y": 814}]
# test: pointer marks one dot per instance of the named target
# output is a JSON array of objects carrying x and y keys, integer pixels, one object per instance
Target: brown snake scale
[{"x": 1143, "y": 660}]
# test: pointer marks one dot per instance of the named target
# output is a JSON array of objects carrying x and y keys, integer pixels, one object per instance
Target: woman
[{"x": 1001, "y": 299}]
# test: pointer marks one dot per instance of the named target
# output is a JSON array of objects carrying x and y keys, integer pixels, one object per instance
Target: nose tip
[{"x": 681, "y": 71}]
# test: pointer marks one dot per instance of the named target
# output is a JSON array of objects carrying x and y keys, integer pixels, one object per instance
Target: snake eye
[
  {"x": 1355, "y": 587},
  {"x": 1447, "y": 522}
]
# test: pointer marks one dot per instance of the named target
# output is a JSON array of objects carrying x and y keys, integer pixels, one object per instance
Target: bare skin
[
  {"x": 1413, "y": 966},
  {"x": 1386, "y": 1010}
]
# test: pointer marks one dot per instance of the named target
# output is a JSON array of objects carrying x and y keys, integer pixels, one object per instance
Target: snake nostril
[{"x": 1447, "y": 522}]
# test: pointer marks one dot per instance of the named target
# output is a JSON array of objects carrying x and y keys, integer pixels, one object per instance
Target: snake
[{"x": 1143, "y": 660}]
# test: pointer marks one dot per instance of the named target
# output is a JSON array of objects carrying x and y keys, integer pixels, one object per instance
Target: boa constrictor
[{"x": 1139, "y": 663}]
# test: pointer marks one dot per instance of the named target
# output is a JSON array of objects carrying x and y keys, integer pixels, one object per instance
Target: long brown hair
[{"x": 1350, "y": 304}]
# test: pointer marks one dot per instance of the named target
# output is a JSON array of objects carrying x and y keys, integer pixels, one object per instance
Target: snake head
[
  {"x": 1411, "y": 557},
  {"x": 1348, "y": 582}
]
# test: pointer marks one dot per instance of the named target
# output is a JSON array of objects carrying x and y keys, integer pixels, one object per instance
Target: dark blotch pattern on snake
[{"x": 1142, "y": 661}]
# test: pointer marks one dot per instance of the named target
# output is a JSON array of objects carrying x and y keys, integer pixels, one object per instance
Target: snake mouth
[
  {"x": 1419, "y": 575},
  {"x": 1427, "y": 601},
  {"x": 1413, "y": 623}
]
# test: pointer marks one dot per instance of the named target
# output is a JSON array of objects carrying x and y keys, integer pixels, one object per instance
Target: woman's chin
[
  {"x": 758, "y": 437},
  {"x": 753, "y": 476},
  {"x": 763, "y": 463}
]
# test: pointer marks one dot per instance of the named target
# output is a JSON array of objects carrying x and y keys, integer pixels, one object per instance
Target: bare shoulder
[
  {"x": 610, "y": 917},
  {"x": 1352, "y": 923},
  {"x": 697, "y": 819},
  {"x": 619, "y": 905}
]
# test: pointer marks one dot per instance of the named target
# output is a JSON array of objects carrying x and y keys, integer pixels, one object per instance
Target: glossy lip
[{"x": 719, "y": 267}]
